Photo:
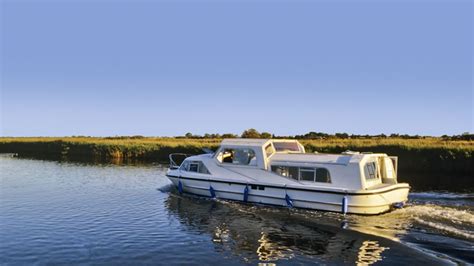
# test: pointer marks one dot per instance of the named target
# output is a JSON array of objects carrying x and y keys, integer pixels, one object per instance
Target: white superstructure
[{"x": 279, "y": 172}]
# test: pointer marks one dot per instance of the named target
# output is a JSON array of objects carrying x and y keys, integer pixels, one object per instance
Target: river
[{"x": 79, "y": 213}]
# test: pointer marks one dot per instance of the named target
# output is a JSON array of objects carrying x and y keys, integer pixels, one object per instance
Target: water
[{"x": 69, "y": 213}]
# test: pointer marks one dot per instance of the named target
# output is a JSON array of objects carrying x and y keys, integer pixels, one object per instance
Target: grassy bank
[
  {"x": 146, "y": 149},
  {"x": 429, "y": 156}
]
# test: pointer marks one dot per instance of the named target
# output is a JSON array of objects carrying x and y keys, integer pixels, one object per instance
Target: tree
[
  {"x": 251, "y": 134},
  {"x": 266, "y": 135},
  {"x": 342, "y": 135},
  {"x": 229, "y": 136},
  {"x": 189, "y": 135}
]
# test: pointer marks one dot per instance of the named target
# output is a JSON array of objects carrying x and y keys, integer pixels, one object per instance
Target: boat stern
[{"x": 380, "y": 200}]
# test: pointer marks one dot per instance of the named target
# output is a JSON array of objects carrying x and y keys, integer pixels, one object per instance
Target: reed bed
[{"x": 426, "y": 155}]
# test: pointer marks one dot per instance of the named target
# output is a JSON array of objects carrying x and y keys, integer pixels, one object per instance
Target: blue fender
[
  {"x": 246, "y": 193},
  {"x": 344, "y": 204},
  {"x": 180, "y": 187},
  {"x": 289, "y": 201},
  {"x": 213, "y": 193}
]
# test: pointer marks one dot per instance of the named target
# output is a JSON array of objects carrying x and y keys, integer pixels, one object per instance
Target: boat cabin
[{"x": 287, "y": 159}]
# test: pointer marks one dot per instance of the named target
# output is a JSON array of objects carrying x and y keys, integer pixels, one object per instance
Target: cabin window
[
  {"x": 269, "y": 150},
  {"x": 239, "y": 156},
  {"x": 370, "y": 170},
  {"x": 203, "y": 169},
  {"x": 256, "y": 187},
  {"x": 307, "y": 174},
  {"x": 286, "y": 146},
  {"x": 184, "y": 166},
  {"x": 291, "y": 172},
  {"x": 281, "y": 170},
  {"x": 194, "y": 166},
  {"x": 322, "y": 175},
  {"x": 388, "y": 172},
  {"x": 303, "y": 174}
]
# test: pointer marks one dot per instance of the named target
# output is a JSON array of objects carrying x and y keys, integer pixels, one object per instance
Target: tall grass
[
  {"x": 428, "y": 155},
  {"x": 149, "y": 149},
  {"x": 431, "y": 155}
]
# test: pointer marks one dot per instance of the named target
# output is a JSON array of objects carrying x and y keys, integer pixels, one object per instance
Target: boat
[{"x": 280, "y": 172}]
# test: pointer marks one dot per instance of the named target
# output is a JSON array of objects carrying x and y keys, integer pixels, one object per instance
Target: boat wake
[
  {"x": 442, "y": 195},
  {"x": 445, "y": 220},
  {"x": 448, "y": 229},
  {"x": 434, "y": 212},
  {"x": 441, "y": 230},
  {"x": 166, "y": 188}
]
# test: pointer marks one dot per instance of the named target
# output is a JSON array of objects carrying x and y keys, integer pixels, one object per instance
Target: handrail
[{"x": 173, "y": 164}]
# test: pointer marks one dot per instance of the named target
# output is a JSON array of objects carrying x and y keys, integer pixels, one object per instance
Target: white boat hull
[{"x": 365, "y": 202}]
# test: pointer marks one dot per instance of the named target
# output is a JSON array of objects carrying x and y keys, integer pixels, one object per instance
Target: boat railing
[{"x": 176, "y": 159}]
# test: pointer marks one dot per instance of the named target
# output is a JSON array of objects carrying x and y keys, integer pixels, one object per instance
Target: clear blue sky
[{"x": 159, "y": 68}]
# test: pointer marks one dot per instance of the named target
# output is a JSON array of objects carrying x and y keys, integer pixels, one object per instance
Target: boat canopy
[
  {"x": 279, "y": 145},
  {"x": 315, "y": 158},
  {"x": 245, "y": 142}
]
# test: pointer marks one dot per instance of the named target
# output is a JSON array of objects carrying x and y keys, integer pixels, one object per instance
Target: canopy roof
[
  {"x": 245, "y": 142},
  {"x": 278, "y": 143},
  {"x": 312, "y": 158}
]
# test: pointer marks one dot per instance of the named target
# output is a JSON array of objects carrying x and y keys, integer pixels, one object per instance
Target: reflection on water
[
  {"x": 277, "y": 234},
  {"x": 269, "y": 250},
  {"x": 370, "y": 252}
]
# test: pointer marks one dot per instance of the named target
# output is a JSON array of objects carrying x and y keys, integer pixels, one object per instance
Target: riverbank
[{"x": 430, "y": 157}]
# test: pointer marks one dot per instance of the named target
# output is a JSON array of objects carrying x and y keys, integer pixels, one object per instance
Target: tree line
[{"x": 253, "y": 133}]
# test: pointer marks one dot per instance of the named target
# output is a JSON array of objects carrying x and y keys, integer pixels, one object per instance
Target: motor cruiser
[{"x": 280, "y": 172}]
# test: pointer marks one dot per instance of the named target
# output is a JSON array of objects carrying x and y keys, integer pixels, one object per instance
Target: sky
[{"x": 156, "y": 68}]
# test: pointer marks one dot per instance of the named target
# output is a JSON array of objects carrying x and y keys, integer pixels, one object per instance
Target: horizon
[
  {"x": 165, "y": 69},
  {"x": 239, "y": 135}
]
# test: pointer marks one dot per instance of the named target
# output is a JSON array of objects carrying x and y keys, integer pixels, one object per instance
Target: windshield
[{"x": 286, "y": 146}]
